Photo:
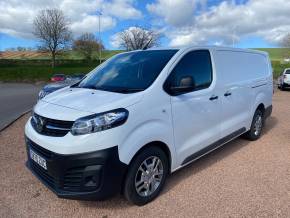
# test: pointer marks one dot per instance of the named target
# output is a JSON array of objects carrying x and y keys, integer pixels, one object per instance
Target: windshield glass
[
  {"x": 128, "y": 72},
  {"x": 287, "y": 72}
]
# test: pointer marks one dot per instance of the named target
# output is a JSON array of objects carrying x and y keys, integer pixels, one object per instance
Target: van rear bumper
[{"x": 89, "y": 176}]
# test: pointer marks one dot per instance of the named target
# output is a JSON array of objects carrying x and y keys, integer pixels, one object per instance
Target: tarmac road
[{"x": 16, "y": 99}]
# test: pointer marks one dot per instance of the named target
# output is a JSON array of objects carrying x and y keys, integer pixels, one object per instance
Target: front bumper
[
  {"x": 286, "y": 84},
  {"x": 89, "y": 176}
]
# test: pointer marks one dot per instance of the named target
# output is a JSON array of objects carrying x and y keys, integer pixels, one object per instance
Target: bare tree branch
[
  {"x": 51, "y": 27},
  {"x": 286, "y": 41},
  {"x": 138, "y": 38}
]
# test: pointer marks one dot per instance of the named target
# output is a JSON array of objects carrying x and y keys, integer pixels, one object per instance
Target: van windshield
[
  {"x": 128, "y": 72},
  {"x": 287, "y": 72}
]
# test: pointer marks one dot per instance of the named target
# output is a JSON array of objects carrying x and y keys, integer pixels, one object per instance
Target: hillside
[
  {"x": 70, "y": 55},
  {"x": 276, "y": 54}
]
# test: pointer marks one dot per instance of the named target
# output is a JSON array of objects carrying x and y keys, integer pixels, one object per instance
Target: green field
[
  {"x": 39, "y": 69},
  {"x": 21, "y": 72},
  {"x": 276, "y": 54}
]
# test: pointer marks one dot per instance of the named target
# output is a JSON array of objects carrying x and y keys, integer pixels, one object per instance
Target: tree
[
  {"x": 19, "y": 48},
  {"x": 286, "y": 44},
  {"x": 286, "y": 41},
  {"x": 51, "y": 27},
  {"x": 138, "y": 38},
  {"x": 86, "y": 44}
]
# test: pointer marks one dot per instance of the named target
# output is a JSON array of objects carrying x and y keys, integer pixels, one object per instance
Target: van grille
[
  {"x": 50, "y": 127},
  {"x": 73, "y": 179},
  {"x": 43, "y": 152},
  {"x": 51, "y": 181}
]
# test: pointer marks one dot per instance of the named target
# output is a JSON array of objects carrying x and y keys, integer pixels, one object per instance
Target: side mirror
[{"x": 186, "y": 84}]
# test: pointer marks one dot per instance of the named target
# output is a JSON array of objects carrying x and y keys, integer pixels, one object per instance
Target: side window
[{"x": 196, "y": 64}]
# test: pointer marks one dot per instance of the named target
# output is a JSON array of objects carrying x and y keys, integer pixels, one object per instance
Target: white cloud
[
  {"x": 16, "y": 16},
  {"x": 224, "y": 22},
  {"x": 174, "y": 12},
  {"x": 122, "y": 9},
  {"x": 91, "y": 24},
  {"x": 115, "y": 41}
]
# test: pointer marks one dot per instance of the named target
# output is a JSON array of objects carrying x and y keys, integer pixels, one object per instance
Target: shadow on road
[{"x": 214, "y": 157}]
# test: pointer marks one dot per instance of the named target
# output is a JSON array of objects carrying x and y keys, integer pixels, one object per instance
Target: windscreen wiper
[{"x": 126, "y": 90}]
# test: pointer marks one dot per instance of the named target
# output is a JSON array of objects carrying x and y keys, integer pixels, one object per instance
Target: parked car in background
[
  {"x": 51, "y": 87},
  {"x": 284, "y": 80},
  {"x": 76, "y": 76},
  {"x": 58, "y": 77}
]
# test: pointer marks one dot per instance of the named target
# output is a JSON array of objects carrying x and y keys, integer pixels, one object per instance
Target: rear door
[
  {"x": 195, "y": 114},
  {"x": 238, "y": 72}
]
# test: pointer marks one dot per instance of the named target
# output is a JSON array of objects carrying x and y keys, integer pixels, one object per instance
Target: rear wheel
[
  {"x": 256, "y": 127},
  {"x": 146, "y": 176}
]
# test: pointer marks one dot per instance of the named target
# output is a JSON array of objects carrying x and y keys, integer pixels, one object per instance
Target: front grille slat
[
  {"x": 50, "y": 127},
  {"x": 73, "y": 179},
  {"x": 43, "y": 174}
]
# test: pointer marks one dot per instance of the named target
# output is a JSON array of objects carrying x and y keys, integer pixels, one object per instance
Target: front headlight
[{"x": 99, "y": 122}]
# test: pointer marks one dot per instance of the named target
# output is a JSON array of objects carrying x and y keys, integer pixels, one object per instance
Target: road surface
[
  {"x": 241, "y": 179},
  {"x": 15, "y": 99}
]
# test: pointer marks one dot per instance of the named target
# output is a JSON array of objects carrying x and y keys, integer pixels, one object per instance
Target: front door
[{"x": 196, "y": 115}]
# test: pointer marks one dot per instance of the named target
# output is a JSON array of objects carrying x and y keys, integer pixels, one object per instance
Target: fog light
[
  {"x": 92, "y": 177},
  {"x": 91, "y": 181}
]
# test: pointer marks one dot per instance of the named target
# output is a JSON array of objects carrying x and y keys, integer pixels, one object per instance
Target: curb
[{"x": 14, "y": 120}]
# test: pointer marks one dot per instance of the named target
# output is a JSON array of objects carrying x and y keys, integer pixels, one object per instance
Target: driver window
[{"x": 196, "y": 64}]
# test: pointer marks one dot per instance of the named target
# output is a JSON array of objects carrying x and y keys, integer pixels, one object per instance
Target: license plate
[{"x": 38, "y": 159}]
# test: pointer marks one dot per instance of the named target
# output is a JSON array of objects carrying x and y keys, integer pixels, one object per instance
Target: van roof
[{"x": 210, "y": 48}]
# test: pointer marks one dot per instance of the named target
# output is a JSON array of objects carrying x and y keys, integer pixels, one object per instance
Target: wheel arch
[
  {"x": 163, "y": 146},
  {"x": 261, "y": 107}
]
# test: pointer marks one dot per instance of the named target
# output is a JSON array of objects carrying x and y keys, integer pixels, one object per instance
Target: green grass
[
  {"x": 39, "y": 69},
  {"x": 77, "y": 56},
  {"x": 33, "y": 73},
  {"x": 276, "y": 54}
]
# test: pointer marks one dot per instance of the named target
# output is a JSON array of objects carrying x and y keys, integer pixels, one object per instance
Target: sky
[{"x": 239, "y": 23}]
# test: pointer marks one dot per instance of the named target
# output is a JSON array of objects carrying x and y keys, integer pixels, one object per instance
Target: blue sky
[{"x": 247, "y": 23}]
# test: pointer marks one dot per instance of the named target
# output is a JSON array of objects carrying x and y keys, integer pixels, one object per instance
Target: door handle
[
  {"x": 227, "y": 94},
  {"x": 214, "y": 97}
]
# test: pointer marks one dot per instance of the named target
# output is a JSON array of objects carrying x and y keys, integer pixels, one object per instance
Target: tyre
[
  {"x": 256, "y": 127},
  {"x": 146, "y": 176},
  {"x": 282, "y": 88}
]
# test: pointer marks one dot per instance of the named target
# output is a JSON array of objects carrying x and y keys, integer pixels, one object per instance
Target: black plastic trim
[
  {"x": 214, "y": 145},
  {"x": 253, "y": 87},
  {"x": 268, "y": 111},
  {"x": 66, "y": 175}
]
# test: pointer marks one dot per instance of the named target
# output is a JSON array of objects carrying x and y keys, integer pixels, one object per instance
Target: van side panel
[{"x": 246, "y": 76}]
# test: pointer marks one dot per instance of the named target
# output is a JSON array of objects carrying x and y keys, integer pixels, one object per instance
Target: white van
[{"x": 142, "y": 115}]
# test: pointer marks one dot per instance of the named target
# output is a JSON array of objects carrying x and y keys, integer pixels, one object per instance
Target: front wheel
[
  {"x": 256, "y": 127},
  {"x": 146, "y": 176}
]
